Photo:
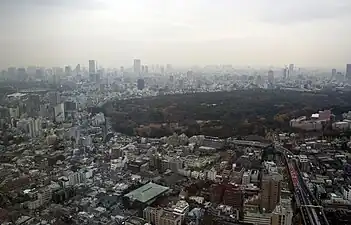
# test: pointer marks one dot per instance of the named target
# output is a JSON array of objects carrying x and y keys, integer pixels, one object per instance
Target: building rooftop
[
  {"x": 181, "y": 206},
  {"x": 147, "y": 192},
  {"x": 170, "y": 216},
  {"x": 135, "y": 221},
  {"x": 16, "y": 95}
]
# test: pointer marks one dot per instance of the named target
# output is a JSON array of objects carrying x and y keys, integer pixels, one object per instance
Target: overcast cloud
[{"x": 182, "y": 32}]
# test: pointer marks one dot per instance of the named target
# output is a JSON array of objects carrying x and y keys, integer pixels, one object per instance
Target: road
[
  {"x": 311, "y": 212},
  {"x": 249, "y": 143}
]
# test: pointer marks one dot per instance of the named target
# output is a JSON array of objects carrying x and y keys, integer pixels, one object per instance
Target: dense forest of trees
[{"x": 222, "y": 114}]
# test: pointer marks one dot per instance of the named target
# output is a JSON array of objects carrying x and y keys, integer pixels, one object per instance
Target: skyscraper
[
  {"x": 12, "y": 71},
  {"x": 348, "y": 72},
  {"x": 137, "y": 66},
  {"x": 68, "y": 70},
  {"x": 233, "y": 196},
  {"x": 146, "y": 69},
  {"x": 291, "y": 70},
  {"x": 333, "y": 73},
  {"x": 40, "y": 72},
  {"x": 141, "y": 84},
  {"x": 216, "y": 193},
  {"x": 270, "y": 76},
  {"x": 340, "y": 76},
  {"x": 22, "y": 74},
  {"x": 189, "y": 73},
  {"x": 92, "y": 66},
  {"x": 77, "y": 68},
  {"x": 285, "y": 73},
  {"x": 270, "y": 191}
]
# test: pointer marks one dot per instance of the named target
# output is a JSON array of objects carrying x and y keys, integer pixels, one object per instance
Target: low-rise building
[{"x": 159, "y": 216}]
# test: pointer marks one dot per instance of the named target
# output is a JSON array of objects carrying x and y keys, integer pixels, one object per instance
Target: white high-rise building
[
  {"x": 137, "y": 66},
  {"x": 34, "y": 127},
  {"x": 291, "y": 70},
  {"x": 283, "y": 213},
  {"x": 92, "y": 66},
  {"x": 59, "y": 112},
  {"x": 31, "y": 126}
]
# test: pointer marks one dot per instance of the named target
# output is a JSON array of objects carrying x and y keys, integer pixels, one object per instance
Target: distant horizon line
[{"x": 175, "y": 66}]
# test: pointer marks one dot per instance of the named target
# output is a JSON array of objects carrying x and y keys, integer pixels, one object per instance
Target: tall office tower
[
  {"x": 122, "y": 69},
  {"x": 68, "y": 70},
  {"x": 291, "y": 70},
  {"x": 58, "y": 70},
  {"x": 333, "y": 73},
  {"x": 162, "y": 70},
  {"x": 259, "y": 80},
  {"x": 77, "y": 70},
  {"x": 233, "y": 196},
  {"x": 136, "y": 66},
  {"x": 94, "y": 77},
  {"x": 142, "y": 69},
  {"x": 340, "y": 76},
  {"x": 32, "y": 105},
  {"x": 92, "y": 66},
  {"x": 22, "y": 74},
  {"x": 270, "y": 191},
  {"x": 11, "y": 71},
  {"x": 189, "y": 73},
  {"x": 348, "y": 72},
  {"x": 216, "y": 193},
  {"x": 59, "y": 112},
  {"x": 285, "y": 73},
  {"x": 270, "y": 76},
  {"x": 146, "y": 69},
  {"x": 31, "y": 126},
  {"x": 54, "y": 98},
  {"x": 31, "y": 70},
  {"x": 141, "y": 84},
  {"x": 169, "y": 67}
]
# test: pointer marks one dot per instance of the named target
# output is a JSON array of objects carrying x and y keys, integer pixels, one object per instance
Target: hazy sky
[{"x": 181, "y": 32}]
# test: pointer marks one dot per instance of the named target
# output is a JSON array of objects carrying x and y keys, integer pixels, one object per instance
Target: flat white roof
[
  {"x": 16, "y": 95},
  {"x": 315, "y": 115}
]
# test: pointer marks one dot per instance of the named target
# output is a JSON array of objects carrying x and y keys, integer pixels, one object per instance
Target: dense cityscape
[{"x": 67, "y": 158}]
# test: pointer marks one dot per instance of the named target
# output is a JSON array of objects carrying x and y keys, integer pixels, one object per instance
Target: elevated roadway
[{"x": 312, "y": 213}]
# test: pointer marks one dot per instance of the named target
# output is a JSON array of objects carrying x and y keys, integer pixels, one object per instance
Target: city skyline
[
  {"x": 92, "y": 67},
  {"x": 47, "y": 33}
]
